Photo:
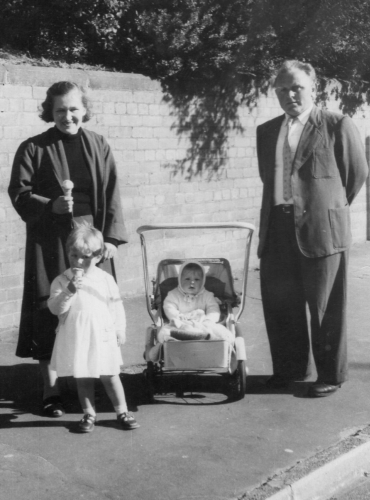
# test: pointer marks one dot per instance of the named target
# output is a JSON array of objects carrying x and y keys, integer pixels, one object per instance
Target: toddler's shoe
[
  {"x": 127, "y": 421},
  {"x": 87, "y": 423}
]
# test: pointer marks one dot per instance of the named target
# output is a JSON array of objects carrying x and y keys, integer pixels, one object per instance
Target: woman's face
[{"x": 68, "y": 112}]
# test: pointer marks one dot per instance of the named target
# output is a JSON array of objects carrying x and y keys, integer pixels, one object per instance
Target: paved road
[{"x": 200, "y": 447}]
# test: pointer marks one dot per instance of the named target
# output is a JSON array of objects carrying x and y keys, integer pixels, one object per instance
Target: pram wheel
[{"x": 238, "y": 382}]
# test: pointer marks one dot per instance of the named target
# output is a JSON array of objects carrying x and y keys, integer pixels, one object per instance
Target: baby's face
[
  {"x": 191, "y": 281},
  {"x": 81, "y": 260}
]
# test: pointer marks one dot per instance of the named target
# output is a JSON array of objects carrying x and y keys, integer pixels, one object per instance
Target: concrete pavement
[{"x": 202, "y": 446}]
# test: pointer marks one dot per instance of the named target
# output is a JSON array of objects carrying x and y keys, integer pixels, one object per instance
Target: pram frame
[{"x": 210, "y": 225}]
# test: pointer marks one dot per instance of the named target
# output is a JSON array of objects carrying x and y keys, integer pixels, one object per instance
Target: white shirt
[{"x": 294, "y": 136}]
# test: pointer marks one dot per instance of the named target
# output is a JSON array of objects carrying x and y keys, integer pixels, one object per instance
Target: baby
[{"x": 193, "y": 312}]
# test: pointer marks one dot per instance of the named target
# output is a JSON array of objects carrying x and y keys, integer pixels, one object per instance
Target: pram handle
[{"x": 197, "y": 225}]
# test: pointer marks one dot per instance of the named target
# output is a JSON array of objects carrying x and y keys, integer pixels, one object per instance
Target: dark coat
[
  {"x": 328, "y": 171},
  {"x": 39, "y": 168}
]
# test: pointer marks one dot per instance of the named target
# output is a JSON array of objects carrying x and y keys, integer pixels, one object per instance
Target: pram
[{"x": 197, "y": 356}]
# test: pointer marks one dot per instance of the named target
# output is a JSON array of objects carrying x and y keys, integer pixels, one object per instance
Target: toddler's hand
[
  {"x": 121, "y": 338},
  {"x": 77, "y": 281}
]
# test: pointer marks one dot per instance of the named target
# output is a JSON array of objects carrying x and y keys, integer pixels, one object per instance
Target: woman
[{"x": 41, "y": 164}]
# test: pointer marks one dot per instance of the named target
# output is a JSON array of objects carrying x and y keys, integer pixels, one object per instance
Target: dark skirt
[{"x": 45, "y": 259}]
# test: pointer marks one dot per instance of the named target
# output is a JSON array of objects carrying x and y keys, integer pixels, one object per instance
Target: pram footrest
[{"x": 197, "y": 355}]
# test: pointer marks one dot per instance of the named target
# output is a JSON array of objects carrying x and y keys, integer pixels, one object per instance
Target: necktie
[{"x": 287, "y": 157}]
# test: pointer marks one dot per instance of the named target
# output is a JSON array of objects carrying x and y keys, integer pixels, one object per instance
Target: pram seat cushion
[{"x": 166, "y": 286}]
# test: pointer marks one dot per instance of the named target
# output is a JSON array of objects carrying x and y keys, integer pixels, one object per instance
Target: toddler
[
  {"x": 192, "y": 309},
  {"x": 92, "y": 325}
]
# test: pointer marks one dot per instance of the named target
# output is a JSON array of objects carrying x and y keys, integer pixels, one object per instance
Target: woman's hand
[
  {"x": 110, "y": 251},
  {"x": 62, "y": 205}
]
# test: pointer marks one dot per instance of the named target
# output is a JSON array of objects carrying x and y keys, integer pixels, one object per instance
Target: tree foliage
[{"x": 210, "y": 55}]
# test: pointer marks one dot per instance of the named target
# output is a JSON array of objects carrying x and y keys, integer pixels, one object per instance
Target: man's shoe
[
  {"x": 87, "y": 423},
  {"x": 320, "y": 390}
]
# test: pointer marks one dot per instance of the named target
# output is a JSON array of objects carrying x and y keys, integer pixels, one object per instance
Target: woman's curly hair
[{"x": 63, "y": 88}]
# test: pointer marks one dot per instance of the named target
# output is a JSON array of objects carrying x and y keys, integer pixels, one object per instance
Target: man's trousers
[{"x": 289, "y": 282}]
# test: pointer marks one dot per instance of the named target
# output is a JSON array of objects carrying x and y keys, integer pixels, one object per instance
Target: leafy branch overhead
[{"x": 210, "y": 55}]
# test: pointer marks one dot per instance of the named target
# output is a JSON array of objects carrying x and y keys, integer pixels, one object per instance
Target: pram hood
[
  {"x": 219, "y": 278},
  {"x": 187, "y": 296}
]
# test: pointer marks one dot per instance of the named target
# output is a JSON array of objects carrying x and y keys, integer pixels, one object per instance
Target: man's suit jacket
[{"x": 328, "y": 171}]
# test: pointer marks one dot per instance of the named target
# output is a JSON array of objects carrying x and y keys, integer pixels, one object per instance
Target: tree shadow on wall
[{"x": 205, "y": 117}]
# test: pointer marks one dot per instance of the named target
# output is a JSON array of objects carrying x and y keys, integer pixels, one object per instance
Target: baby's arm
[
  {"x": 170, "y": 307},
  {"x": 61, "y": 296},
  {"x": 212, "y": 308}
]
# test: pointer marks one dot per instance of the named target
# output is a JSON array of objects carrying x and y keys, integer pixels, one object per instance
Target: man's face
[
  {"x": 294, "y": 89},
  {"x": 191, "y": 281}
]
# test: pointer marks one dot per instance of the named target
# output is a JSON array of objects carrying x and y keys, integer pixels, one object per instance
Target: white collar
[{"x": 303, "y": 117}]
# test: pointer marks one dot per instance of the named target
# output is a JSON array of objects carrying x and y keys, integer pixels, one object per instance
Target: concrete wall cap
[{"x": 44, "y": 76}]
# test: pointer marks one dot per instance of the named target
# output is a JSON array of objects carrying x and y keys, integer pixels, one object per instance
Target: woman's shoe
[
  {"x": 87, "y": 423},
  {"x": 127, "y": 421},
  {"x": 53, "y": 407}
]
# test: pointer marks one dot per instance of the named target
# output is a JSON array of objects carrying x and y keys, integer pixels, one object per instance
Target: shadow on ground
[{"x": 21, "y": 391}]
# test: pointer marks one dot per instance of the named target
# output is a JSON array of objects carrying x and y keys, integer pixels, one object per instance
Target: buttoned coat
[
  {"x": 39, "y": 168},
  {"x": 328, "y": 171}
]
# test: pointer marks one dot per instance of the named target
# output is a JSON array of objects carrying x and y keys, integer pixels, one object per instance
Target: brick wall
[{"x": 130, "y": 112}]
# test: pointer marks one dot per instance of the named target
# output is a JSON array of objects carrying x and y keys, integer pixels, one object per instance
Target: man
[{"x": 312, "y": 165}]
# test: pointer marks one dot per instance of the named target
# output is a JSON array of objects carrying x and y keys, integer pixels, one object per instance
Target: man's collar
[{"x": 303, "y": 117}]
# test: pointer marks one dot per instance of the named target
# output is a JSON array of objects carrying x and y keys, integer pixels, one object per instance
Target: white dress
[{"x": 86, "y": 341}]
